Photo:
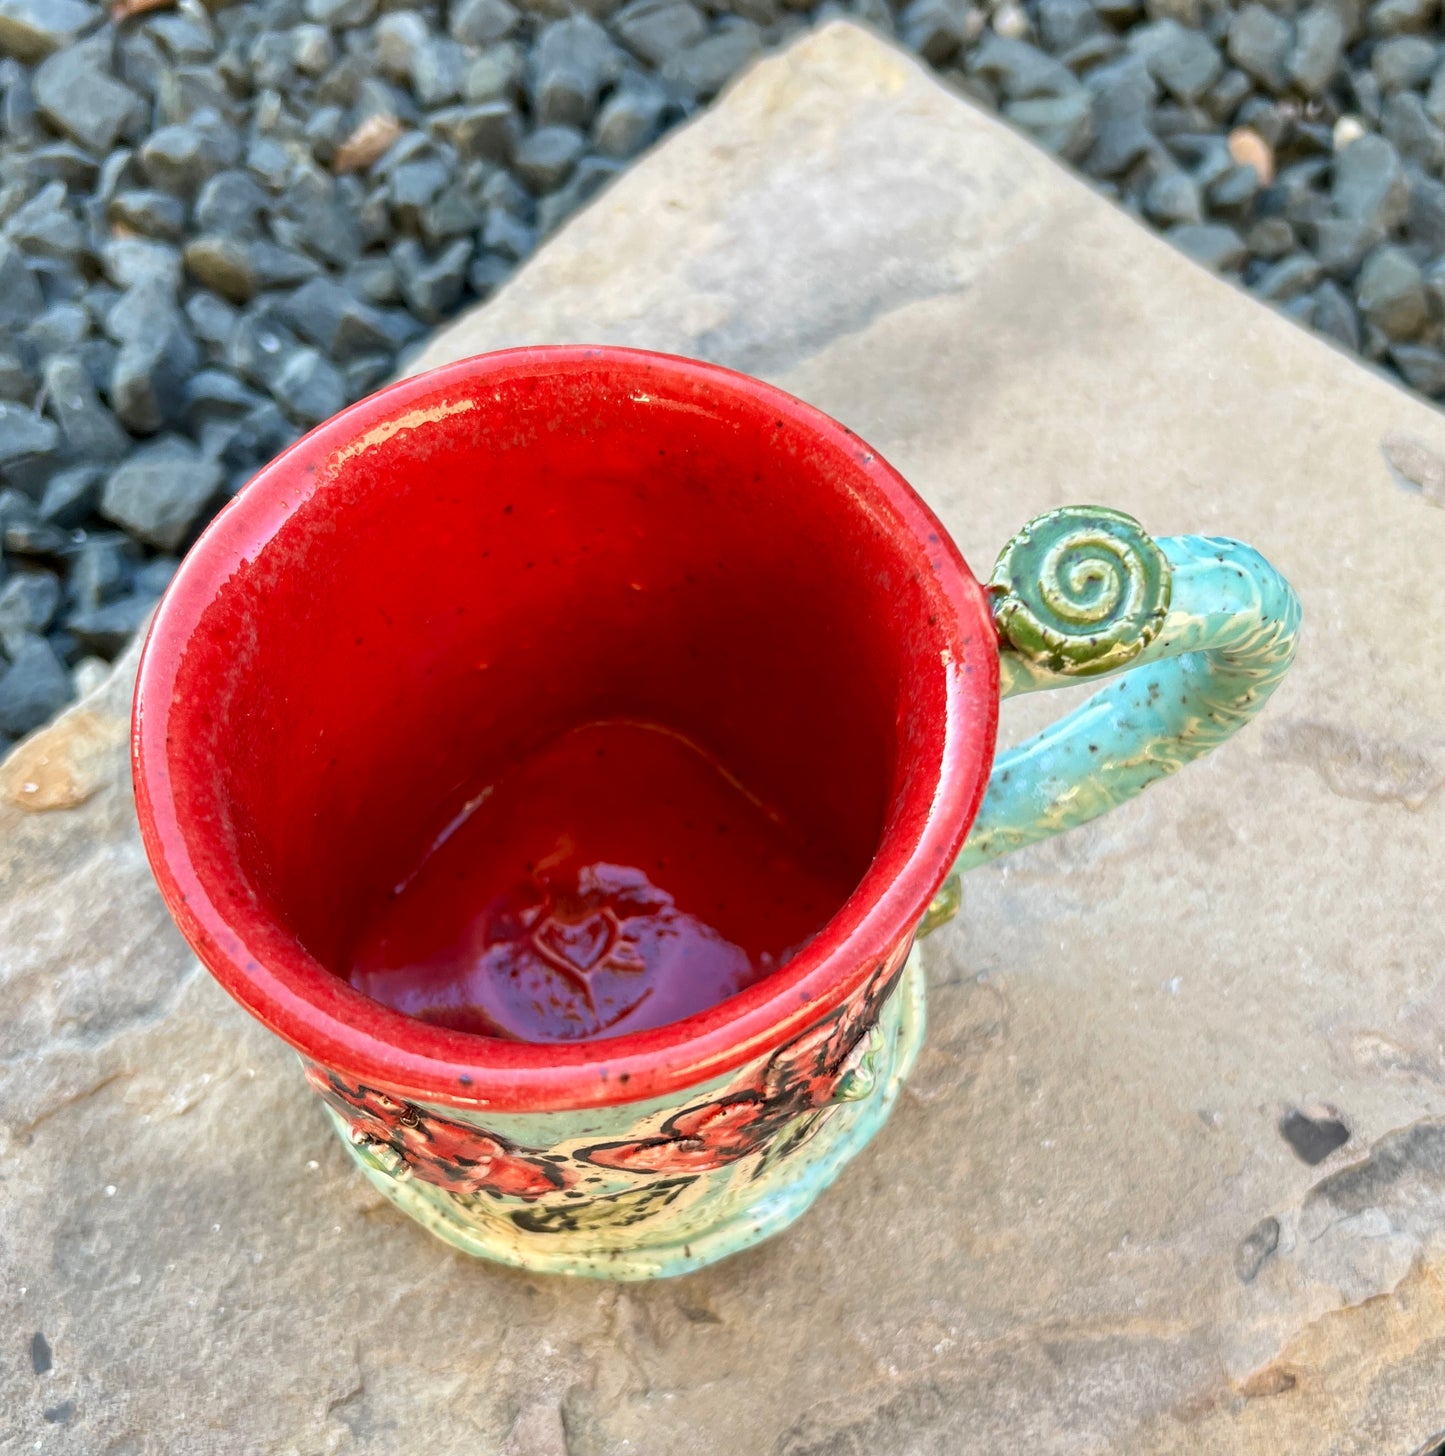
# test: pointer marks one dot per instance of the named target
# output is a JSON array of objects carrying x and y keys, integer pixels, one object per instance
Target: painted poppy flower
[
  {"x": 439, "y": 1150},
  {"x": 826, "y": 1065}
]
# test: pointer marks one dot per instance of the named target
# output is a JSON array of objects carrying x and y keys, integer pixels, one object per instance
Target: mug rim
[{"x": 331, "y": 1023}]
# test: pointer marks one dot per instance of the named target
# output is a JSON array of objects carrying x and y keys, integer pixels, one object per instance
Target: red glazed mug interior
[{"x": 454, "y": 571}]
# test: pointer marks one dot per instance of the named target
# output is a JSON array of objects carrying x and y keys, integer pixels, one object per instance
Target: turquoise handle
[{"x": 1205, "y": 625}]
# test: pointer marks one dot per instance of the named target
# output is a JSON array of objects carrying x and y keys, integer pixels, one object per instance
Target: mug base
[{"x": 775, "y": 1198}]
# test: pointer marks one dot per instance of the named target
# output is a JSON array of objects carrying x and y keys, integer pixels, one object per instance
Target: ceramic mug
[{"x": 469, "y": 561}]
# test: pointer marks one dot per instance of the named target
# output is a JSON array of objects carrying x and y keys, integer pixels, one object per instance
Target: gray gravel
[{"x": 221, "y": 223}]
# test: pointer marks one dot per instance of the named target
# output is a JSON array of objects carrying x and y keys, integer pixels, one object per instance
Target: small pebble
[
  {"x": 1335, "y": 316},
  {"x": 28, "y": 603},
  {"x": 1269, "y": 239},
  {"x": 89, "y": 675},
  {"x": 1011, "y": 21},
  {"x": 1403, "y": 61},
  {"x": 1341, "y": 243},
  {"x": 1123, "y": 94},
  {"x": 545, "y": 159},
  {"x": 1422, "y": 366},
  {"x": 654, "y": 29},
  {"x": 1249, "y": 149},
  {"x": 1259, "y": 43},
  {"x": 1425, "y": 217},
  {"x": 1391, "y": 293},
  {"x": 1293, "y": 274},
  {"x": 1174, "y": 198},
  {"x": 1346, "y": 130},
  {"x": 33, "y": 688},
  {"x": 158, "y": 495},
  {"x": 1414, "y": 135},
  {"x": 1218, "y": 248},
  {"x": 480, "y": 22},
  {"x": 1061, "y": 124},
  {"x": 367, "y": 144},
  {"x": 1065, "y": 24},
  {"x": 701, "y": 71},
  {"x": 1318, "y": 49},
  {"x": 630, "y": 119},
  {"x": 1181, "y": 60},
  {"x": 1390, "y": 17},
  {"x": 1369, "y": 183}
]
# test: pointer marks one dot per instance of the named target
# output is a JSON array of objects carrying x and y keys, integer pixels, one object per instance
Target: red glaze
[
  {"x": 617, "y": 879},
  {"x": 443, "y": 578}
]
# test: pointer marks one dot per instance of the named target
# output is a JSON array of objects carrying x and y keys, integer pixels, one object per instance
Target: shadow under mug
[{"x": 467, "y": 563}]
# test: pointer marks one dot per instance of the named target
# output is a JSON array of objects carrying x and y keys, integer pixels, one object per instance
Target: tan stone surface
[{"x": 1044, "y": 1251}]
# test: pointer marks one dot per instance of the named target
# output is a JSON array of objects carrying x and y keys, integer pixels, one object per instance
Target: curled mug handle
[{"x": 1204, "y": 625}]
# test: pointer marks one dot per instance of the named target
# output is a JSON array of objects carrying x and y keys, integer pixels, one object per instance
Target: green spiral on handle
[{"x": 1081, "y": 591}]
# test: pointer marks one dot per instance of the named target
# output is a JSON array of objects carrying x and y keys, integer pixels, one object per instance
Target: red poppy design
[
  {"x": 798, "y": 1081},
  {"x": 448, "y": 1154}
]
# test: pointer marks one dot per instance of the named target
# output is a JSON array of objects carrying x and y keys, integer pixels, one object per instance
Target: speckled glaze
[
  {"x": 652, "y": 1153},
  {"x": 1207, "y": 625}
]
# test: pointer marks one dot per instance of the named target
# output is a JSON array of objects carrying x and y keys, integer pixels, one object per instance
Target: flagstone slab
[{"x": 1083, "y": 1230}]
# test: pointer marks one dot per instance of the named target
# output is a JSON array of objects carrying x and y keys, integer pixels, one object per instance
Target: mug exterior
[
  {"x": 644, "y": 1154},
  {"x": 645, "y": 1190}
]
